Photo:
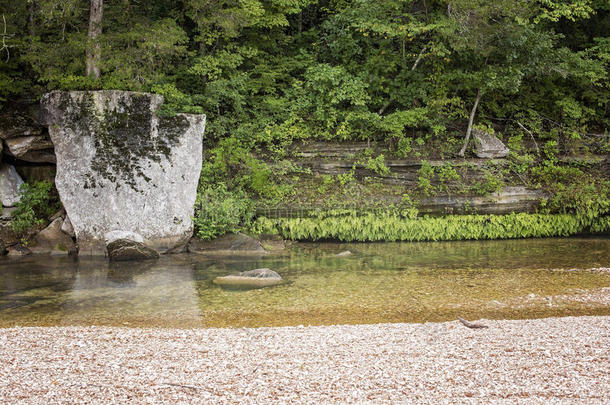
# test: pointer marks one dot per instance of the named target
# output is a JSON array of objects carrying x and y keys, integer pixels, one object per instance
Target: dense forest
[{"x": 271, "y": 73}]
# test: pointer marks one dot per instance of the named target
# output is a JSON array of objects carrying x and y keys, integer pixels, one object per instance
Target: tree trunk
[
  {"x": 470, "y": 121},
  {"x": 31, "y": 12},
  {"x": 94, "y": 48}
]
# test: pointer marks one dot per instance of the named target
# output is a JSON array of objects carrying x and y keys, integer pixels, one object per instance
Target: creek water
[{"x": 378, "y": 282}]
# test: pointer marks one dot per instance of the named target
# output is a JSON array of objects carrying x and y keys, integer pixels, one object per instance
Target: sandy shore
[{"x": 555, "y": 360}]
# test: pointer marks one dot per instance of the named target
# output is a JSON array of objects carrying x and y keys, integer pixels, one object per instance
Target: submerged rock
[
  {"x": 120, "y": 165},
  {"x": 344, "y": 253},
  {"x": 125, "y": 249},
  {"x": 488, "y": 146},
  {"x": 52, "y": 240},
  {"x": 257, "y": 278},
  {"x": 10, "y": 181},
  {"x": 237, "y": 243}
]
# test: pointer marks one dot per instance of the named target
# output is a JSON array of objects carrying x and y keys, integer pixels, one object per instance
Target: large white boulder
[{"x": 123, "y": 167}]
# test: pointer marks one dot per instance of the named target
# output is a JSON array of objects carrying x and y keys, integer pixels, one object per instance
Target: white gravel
[{"x": 555, "y": 360}]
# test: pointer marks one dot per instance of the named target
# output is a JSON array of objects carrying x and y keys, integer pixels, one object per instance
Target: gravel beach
[{"x": 553, "y": 360}]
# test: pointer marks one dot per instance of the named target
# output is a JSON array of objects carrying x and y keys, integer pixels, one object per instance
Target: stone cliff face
[{"x": 121, "y": 166}]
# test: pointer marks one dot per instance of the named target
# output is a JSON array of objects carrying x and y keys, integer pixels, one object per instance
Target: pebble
[{"x": 539, "y": 361}]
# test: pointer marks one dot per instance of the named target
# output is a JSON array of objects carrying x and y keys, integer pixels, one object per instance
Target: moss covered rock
[{"x": 121, "y": 166}]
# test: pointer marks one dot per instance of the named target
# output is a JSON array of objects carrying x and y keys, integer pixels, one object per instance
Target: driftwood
[{"x": 471, "y": 325}]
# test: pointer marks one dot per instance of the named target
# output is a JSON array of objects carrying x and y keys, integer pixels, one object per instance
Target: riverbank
[{"x": 562, "y": 360}]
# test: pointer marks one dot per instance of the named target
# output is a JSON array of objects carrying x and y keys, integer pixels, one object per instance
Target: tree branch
[
  {"x": 471, "y": 325},
  {"x": 4, "y": 36},
  {"x": 530, "y": 134}
]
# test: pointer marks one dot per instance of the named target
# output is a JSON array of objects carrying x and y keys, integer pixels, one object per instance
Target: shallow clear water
[{"x": 382, "y": 282}]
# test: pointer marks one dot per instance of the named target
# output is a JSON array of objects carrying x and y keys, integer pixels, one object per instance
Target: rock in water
[
  {"x": 125, "y": 249},
  {"x": 261, "y": 273},
  {"x": 257, "y": 278},
  {"x": 488, "y": 146},
  {"x": 122, "y": 166}
]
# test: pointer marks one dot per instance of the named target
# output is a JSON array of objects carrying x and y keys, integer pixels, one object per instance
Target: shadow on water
[{"x": 379, "y": 282}]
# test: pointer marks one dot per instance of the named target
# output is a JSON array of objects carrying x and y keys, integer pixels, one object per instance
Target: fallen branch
[
  {"x": 192, "y": 387},
  {"x": 471, "y": 325}
]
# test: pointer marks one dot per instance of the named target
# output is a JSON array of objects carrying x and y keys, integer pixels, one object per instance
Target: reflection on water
[{"x": 383, "y": 282}]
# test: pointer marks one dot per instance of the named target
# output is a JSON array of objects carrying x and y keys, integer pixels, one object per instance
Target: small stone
[
  {"x": 125, "y": 249},
  {"x": 10, "y": 181}
]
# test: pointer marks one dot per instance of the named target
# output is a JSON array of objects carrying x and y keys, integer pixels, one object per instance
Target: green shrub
[
  {"x": 38, "y": 201},
  {"x": 447, "y": 174},
  {"x": 218, "y": 211},
  {"x": 425, "y": 174},
  {"x": 491, "y": 184},
  {"x": 572, "y": 190}
]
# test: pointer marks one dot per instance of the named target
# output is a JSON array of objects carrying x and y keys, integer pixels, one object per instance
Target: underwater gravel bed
[{"x": 553, "y": 360}]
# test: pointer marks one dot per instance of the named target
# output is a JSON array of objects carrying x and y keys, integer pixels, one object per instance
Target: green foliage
[
  {"x": 218, "y": 211},
  {"x": 447, "y": 174},
  {"x": 405, "y": 73},
  {"x": 275, "y": 71},
  {"x": 375, "y": 164},
  {"x": 395, "y": 227},
  {"x": 490, "y": 184},
  {"x": 573, "y": 191},
  {"x": 425, "y": 175},
  {"x": 38, "y": 201}
]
